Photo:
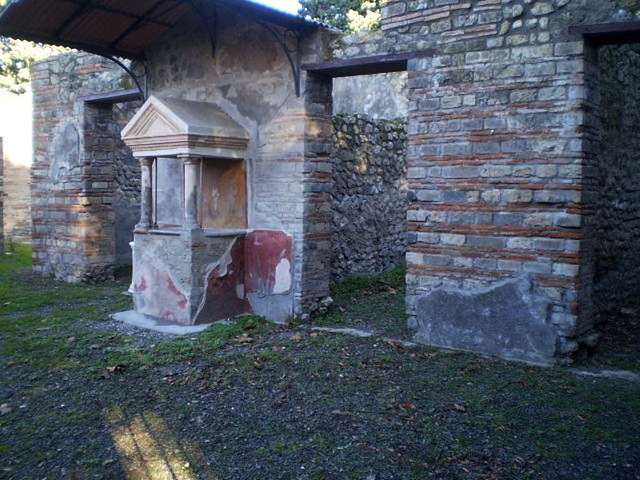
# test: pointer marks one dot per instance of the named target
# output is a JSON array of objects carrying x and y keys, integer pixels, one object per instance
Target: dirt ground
[{"x": 82, "y": 397}]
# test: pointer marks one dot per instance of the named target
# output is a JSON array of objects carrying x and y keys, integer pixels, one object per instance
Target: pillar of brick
[
  {"x": 74, "y": 174},
  {"x": 316, "y": 263},
  {"x": 502, "y": 143},
  {"x": 1, "y": 196}
]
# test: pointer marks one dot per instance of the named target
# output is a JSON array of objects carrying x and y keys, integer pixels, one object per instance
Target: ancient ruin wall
[
  {"x": 379, "y": 97},
  {"x": 1, "y": 196},
  {"x": 77, "y": 172},
  {"x": 288, "y": 164},
  {"x": 369, "y": 199},
  {"x": 617, "y": 223},
  {"x": 16, "y": 130},
  {"x": 17, "y": 203},
  {"x": 498, "y": 145}
]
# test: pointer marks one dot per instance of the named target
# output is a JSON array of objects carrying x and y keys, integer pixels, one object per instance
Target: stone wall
[
  {"x": 16, "y": 130},
  {"x": 1, "y": 196},
  {"x": 499, "y": 147},
  {"x": 17, "y": 201},
  {"x": 617, "y": 223},
  {"x": 369, "y": 195},
  {"x": 84, "y": 182}
]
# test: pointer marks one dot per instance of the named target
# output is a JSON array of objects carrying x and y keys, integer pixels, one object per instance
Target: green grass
[
  {"x": 246, "y": 395},
  {"x": 22, "y": 291},
  {"x": 10, "y": 262},
  {"x": 376, "y": 302},
  {"x": 51, "y": 325}
]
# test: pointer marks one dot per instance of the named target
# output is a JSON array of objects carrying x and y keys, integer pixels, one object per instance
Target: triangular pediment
[
  {"x": 172, "y": 126},
  {"x": 154, "y": 119},
  {"x": 174, "y": 116},
  {"x": 154, "y": 124}
]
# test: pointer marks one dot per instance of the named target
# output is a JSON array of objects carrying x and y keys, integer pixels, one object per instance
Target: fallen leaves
[
  {"x": 5, "y": 408},
  {"x": 113, "y": 370},
  {"x": 460, "y": 408},
  {"x": 116, "y": 369},
  {"x": 245, "y": 339}
]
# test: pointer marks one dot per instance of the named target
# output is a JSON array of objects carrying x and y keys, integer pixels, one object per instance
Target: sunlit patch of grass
[
  {"x": 148, "y": 448},
  {"x": 19, "y": 258},
  {"x": 22, "y": 291}
]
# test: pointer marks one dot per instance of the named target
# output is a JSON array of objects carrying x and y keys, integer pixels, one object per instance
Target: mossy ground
[
  {"x": 82, "y": 397},
  {"x": 374, "y": 303}
]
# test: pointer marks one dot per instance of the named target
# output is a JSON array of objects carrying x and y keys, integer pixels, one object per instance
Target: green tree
[
  {"x": 349, "y": 15},
  {"x": 16, "y": 57}
]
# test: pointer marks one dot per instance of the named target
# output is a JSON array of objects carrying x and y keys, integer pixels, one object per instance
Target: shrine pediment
[{"x": 171, "y": 126}]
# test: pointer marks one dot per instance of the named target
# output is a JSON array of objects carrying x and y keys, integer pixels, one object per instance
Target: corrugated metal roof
[{"x": 121, "y": 28}]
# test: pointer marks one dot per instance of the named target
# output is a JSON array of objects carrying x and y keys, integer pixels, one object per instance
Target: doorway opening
[{"x": 613, "y": 77}]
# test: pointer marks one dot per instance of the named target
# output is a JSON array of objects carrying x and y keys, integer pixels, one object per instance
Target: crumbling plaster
[{"x": 289, "y": 136}]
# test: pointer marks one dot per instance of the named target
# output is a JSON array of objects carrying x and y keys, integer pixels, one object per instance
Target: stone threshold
[{"x": 131, "y": 317}]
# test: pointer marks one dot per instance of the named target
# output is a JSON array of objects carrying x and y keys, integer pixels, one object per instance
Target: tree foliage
[
  {"x": 16, "y": 57},
  {"x": 348, "y": 15}
]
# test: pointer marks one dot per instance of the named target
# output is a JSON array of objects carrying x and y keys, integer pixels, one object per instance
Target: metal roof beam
[
  {"x": 352, "y": 67},
  {"x": 614, "y": 33}
]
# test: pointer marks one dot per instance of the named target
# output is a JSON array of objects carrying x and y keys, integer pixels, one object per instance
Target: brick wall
[
  {"x": 501, "y": 146},
  {"x": 1, "y": 196},
  {"x": 497, "y": 160},
  {"x": 16, "y": 130},
  {"x": 369, "y": 198},
  {"x": 17, "y": 202},
  {"x": 317, "y": 187},
  {"x": 77, "y": 153}
]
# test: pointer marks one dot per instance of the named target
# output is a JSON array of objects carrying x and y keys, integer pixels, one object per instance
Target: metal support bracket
[
  {"x": 289, "y": 41},
  {"x": 210, "y": 21},
  {"x": 140, "y": 80}
]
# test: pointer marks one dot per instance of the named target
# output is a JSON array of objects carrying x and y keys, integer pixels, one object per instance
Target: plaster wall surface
[
  {"x": 499, "y": 140},
  {"x": 201, "y": 276},
  {"x": 287, "y": 162},
  {"x": 378, "y": 97},
  {"x": 170, "y": 272}
]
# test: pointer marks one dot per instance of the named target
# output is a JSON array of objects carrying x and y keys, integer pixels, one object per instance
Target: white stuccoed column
[
  {"x": 132, "y": 287},
  {"x": 146, "y": 194},
  {"x": 191, "y": 165}
]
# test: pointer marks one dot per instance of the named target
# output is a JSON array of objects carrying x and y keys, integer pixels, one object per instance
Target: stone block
[
  {"x": 505, "y": 320},
  {"x": 452, "y": 239}
]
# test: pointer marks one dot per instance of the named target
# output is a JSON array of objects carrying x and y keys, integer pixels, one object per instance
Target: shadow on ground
[{"x": 83, "y": 397}]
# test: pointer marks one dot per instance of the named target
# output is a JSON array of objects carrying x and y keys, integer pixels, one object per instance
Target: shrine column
[
  {"x": 146, "y": 194},
  {"x": 191, "y": 165}
]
